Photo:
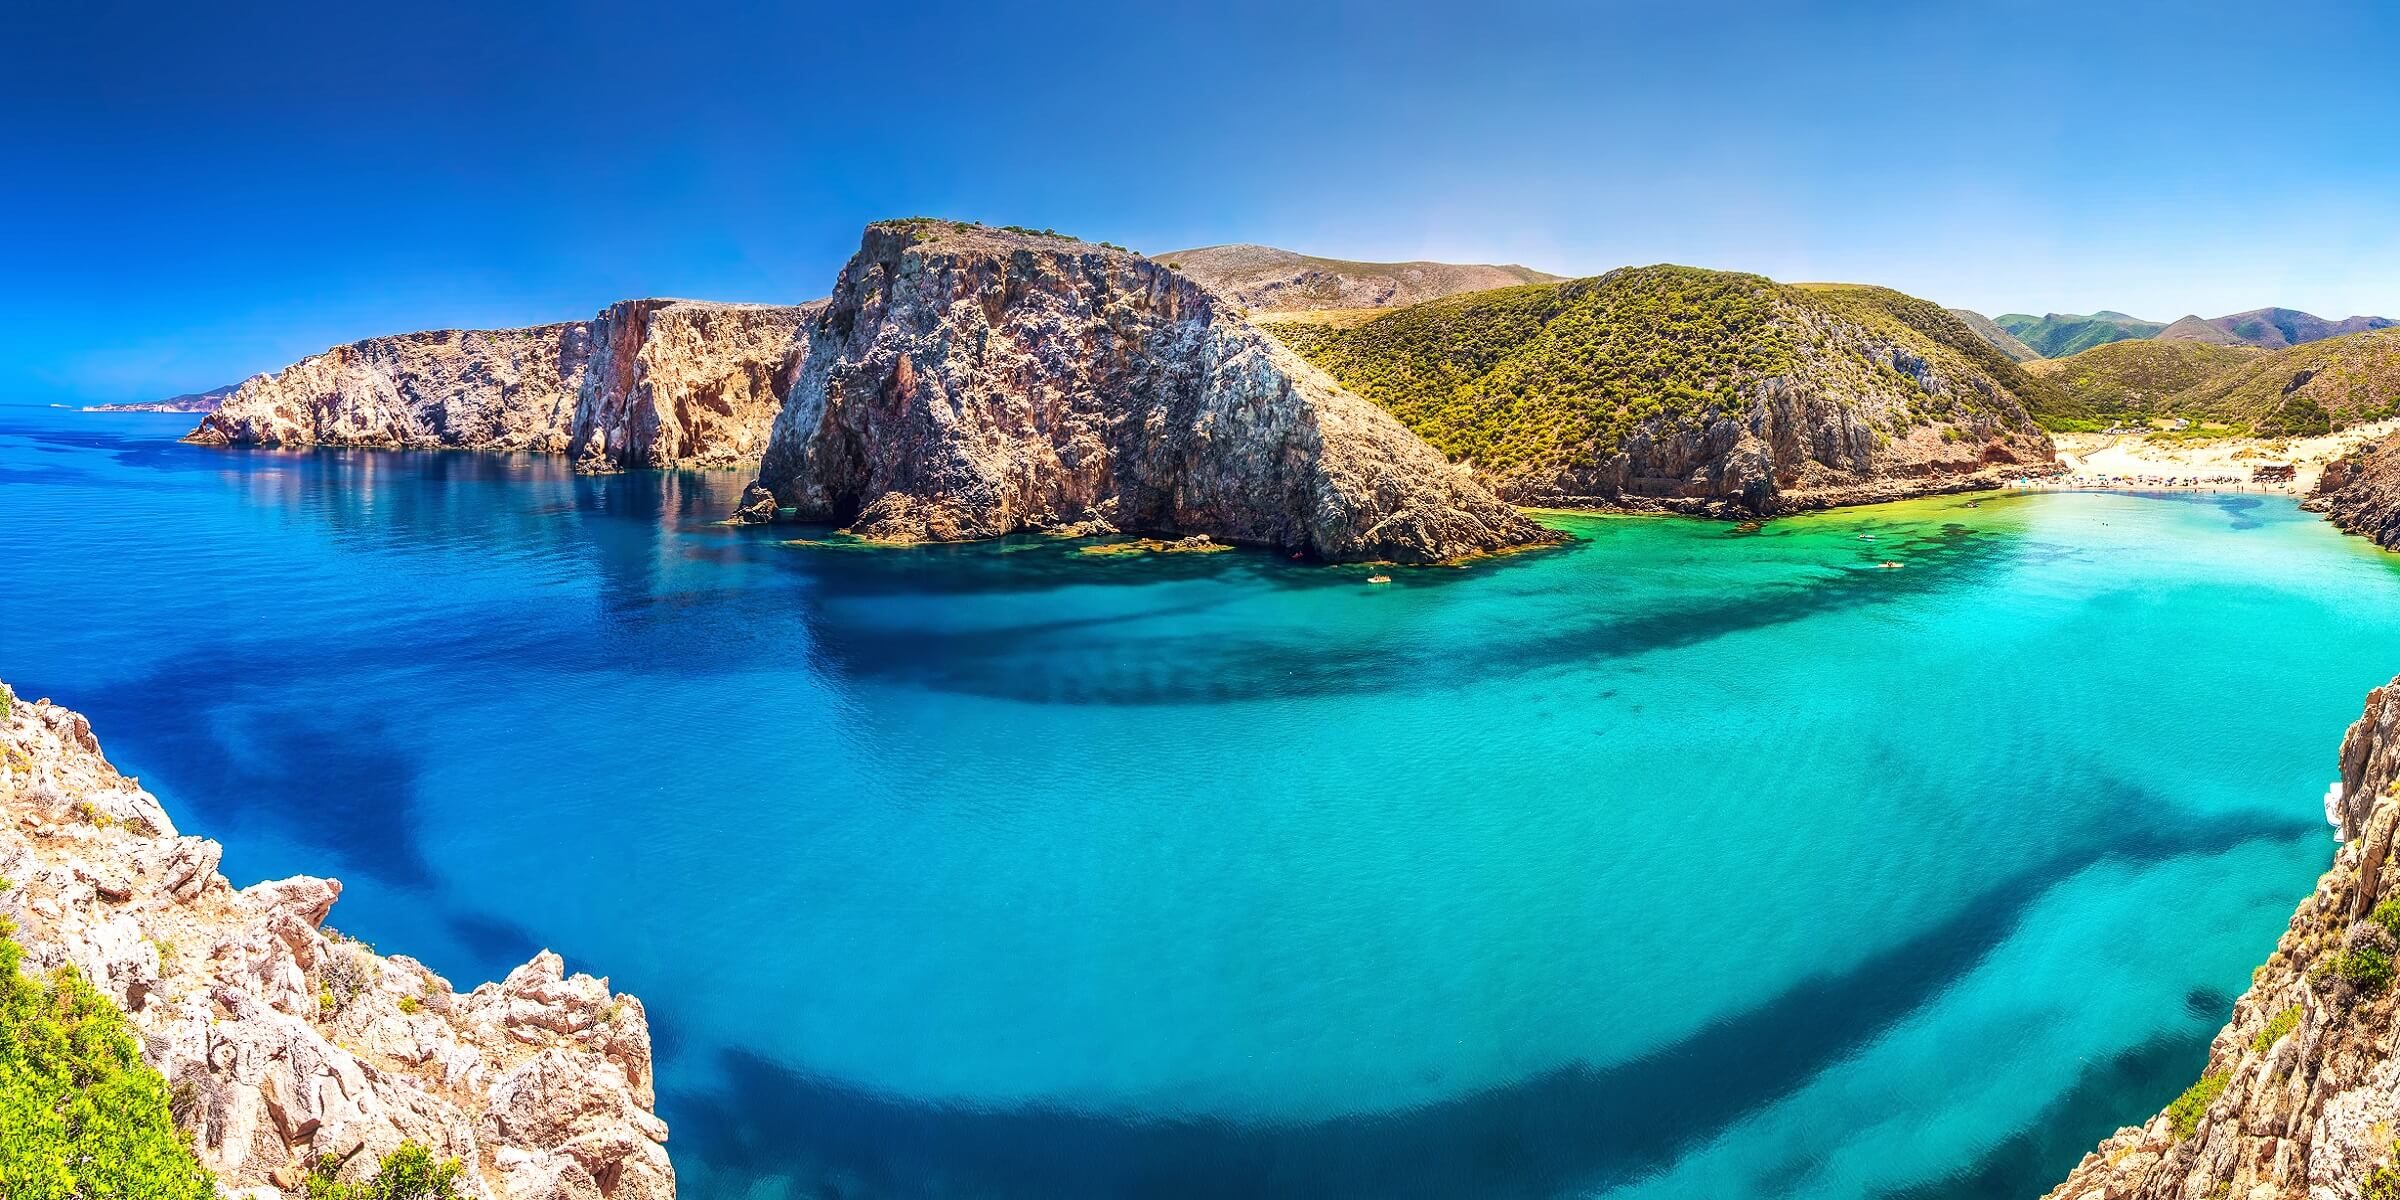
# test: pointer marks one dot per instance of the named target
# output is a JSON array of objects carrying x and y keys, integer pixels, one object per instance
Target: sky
[{"x": 194, "y": 193}]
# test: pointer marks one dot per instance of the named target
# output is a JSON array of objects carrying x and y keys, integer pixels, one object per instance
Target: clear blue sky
[{"x": 196, "y": 192}]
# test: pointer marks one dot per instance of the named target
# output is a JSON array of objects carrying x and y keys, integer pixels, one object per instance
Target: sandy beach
[{"x": 2143, "y": 462}]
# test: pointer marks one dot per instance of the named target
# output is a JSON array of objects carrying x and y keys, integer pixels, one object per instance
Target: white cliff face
[
  {"x": 283, "y": 1042},
  {"x": 646, "y": 383}
]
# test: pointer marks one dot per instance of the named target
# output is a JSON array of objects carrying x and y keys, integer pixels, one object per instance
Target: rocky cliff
[
  {"x": 646, "y": 383},
  {"x": 2360, "y": 492},
  {"x": 283, "y": 1042},
  {"x": 2301, "y": 1096},
  {"x": 967, "y": 382}
]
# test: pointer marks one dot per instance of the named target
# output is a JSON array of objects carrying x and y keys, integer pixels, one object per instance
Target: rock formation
[
  {"x": 2360, "y": 492},
  {"x": 190, "y": 402},
  {"x": 967, "y": 382},
  {"x": 282, "y": 1041},
  {"x": 2301, "y": 1096},
  {"x": 646, "y": 383}
]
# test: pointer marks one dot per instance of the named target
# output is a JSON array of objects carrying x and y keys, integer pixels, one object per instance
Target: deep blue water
[{"x": 1675, "y": 863}]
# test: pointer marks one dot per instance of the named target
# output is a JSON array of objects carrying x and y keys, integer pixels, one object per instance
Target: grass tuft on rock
[{"x": 2184, "y": 1115}]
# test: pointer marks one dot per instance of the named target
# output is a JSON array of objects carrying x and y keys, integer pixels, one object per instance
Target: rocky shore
[
  {"x": 646, "y": 383},
  {"x": 968, "y": 382},
  {"x": 2360, "y": 492},
  {"x": 2301, "y": 1095},
  {"x": 283, "y": 1042}
]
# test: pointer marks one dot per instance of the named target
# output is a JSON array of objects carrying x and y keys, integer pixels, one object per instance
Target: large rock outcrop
[
  {"x": 646, "y": 383},
  {"x": 2360, "y": 492},
  {"x": 283, "y": 1042},
  {"x": 2301, "y": 1096},
  {"x": 966, "y": 383}
]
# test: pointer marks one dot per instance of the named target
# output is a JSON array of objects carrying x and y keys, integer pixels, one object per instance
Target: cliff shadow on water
[
  {"x": 1578, "y": 1128},
  {"x": 858, "y": 611}
]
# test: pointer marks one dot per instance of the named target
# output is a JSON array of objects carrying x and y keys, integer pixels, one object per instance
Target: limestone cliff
[
  {"x": 2360, "y": 492},
  {"x": 2301, "y": 1096},
  {"x": 967, "y": 382},
  {"x": 646, "y": 383},
  {"x": 283, "y": 1042}
]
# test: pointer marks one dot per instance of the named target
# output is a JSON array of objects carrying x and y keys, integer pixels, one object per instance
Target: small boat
[
  {"x": 1890, "y": 566},
  {"x": 1866, "y": 537},
  {"x": 1379, "y": 579}
]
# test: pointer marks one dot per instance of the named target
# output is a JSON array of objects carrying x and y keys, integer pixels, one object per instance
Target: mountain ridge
[{"x": 1270, "y": 278}]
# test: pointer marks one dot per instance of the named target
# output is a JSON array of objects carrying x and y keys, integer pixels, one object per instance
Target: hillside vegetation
[
  {"x": 2308, "y": 389},
  {"x": 2057, "y": 335},
  {"x": 1630, "y": 375},
  {"x": 2135, "y": 380},
  {"x": 2311, "y": 388},
  {"x": 2006, "y": 342},
  {"x": 1268, "y": 279}
]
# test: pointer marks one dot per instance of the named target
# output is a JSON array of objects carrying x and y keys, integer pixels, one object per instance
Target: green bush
[
  {"x": 2387, "y": 914},
  {"x": 408, "y": 1173},
  {"x": 2184, "y": 1115},
  {"x": 2381, "y": 1182},
  {"x": 2365, "y": 968},
  {"x": 2284, "y": 1022},
  {"x": 81, "y": 1116}
]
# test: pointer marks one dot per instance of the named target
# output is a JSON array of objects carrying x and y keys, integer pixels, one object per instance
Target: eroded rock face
[
  {"x": 2360, "y": 492},
  {"x": 966, "y": 383},
  {"x": 646, "y": 383},
  {"x": 281, "y": 1040},
  {"x": 2310, "y": 1072},
  {"x": 673, "y": 383}
]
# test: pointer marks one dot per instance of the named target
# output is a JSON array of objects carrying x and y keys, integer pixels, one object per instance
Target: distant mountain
[
  {"x": 2138, "y": 379},
  {"x": 2057, "y": 335},
  {"x": 1695, "y": 390},
  {"x": 1266, "y": 278},
  {"x": 2002, "y": 339},
  {"x": 2270, "y": 328},
  {"x": 190, "y": 402}
]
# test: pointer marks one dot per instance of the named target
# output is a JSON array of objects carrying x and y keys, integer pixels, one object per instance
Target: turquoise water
[{"x": 1675, "y": 863}]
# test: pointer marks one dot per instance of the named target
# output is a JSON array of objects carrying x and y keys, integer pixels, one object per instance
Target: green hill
[
  {"x": 1646, "y": 381},
  {"x": 2310, "y": 388},
  {"x": 2137, "y": 380},
  {"x": 1987, "y": 330},
  {"x": 2057, "y": 335}
]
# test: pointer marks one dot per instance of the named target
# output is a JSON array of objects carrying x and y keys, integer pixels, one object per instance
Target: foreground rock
[
  {"x": 967, "y": 383},
  {"x": 646, "y": 383},
  {"x": 2301, "y": 1096},
  {"x": 2360, "y": 492},
  {"x": 283, "y": 1042}
]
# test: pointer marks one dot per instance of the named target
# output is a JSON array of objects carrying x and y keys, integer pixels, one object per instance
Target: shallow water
[{"x": 1674, "y": 863}]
